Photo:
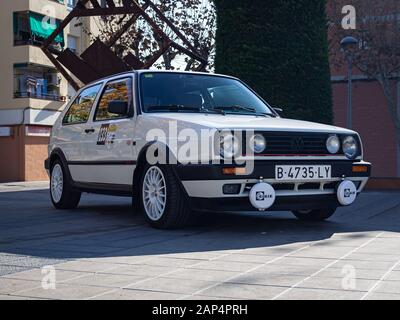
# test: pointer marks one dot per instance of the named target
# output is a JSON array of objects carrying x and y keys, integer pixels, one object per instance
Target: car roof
[{"x": 155, "y": 71}]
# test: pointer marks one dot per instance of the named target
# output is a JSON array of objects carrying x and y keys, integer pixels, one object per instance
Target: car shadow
[{"x": 106, "y": 226}]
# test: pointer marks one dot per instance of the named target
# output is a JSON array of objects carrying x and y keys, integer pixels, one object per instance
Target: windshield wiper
[
  {"x": 171, "y": 107},
  {"x": 180, "y": 107},
  {"x": 242, "y": 108}
]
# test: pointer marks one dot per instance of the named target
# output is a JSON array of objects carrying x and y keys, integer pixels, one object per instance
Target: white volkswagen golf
[{"x": 182, "y": 141}]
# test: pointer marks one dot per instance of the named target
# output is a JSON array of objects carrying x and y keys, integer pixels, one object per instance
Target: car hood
[{"x": 248, "y": 122}]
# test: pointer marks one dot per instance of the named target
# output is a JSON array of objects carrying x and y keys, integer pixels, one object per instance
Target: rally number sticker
[{"x": 106, "y": 135}]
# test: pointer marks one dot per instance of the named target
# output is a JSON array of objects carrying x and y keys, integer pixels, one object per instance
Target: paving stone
[
  {"x": 36, "y": 275},
  {"x": 13, "y": 297},
  {"x": 252, "y": 258},
  {"x": 226, "y": 265},
  {"x": 104, "y": 280},
  {"x": 198, "y": 274},
  {"x": 267, "y": 279},
  {"x": 65, "y": 292},
  {"x": 171, "y": 285},
  {"x": 388, "y": 287},
  {"x": 374, "y": 265},
  {"x": 129, "y": 294},
  {"x": 383, "y": 296},
  {"x": 337, "y": 284},
  {"x": 320, "y": 294},
  {"x": 371, "y": 274},
  {"x": 394, "y": 275},
  {"x": 13, "y": 285},
  {"x": 86, "y": 266},
  {"x": 171, "y": 262},
  {"x": 139, "y": 270},
  {"x": 243, "y": 291}
]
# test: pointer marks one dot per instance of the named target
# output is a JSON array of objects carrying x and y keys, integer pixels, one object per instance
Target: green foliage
[{"x": 279, "y": 48}]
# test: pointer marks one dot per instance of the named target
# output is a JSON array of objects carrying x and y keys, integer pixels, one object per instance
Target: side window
[
  {"x": 119, "y": 90},
  {"x": 80, "y": 109}
]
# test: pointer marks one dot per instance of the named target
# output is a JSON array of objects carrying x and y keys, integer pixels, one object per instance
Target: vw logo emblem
[{"x": 297, "y": 143}]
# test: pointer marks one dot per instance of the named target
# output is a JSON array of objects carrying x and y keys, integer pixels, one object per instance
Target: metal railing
[{"x": 34, "y": 95}]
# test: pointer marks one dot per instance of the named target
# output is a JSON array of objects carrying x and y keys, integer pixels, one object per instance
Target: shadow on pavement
[{"x": 105, "y": 227}]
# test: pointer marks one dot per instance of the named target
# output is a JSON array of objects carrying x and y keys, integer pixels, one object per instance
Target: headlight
[
  {"x": 229, "y": 145},
  {"x": 257, "y": 143},
  {"x": 333, "y": 144},
  {"x": 350, "y": 147}
]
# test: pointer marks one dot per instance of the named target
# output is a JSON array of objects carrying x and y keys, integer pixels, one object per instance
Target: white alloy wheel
[
  {"x": 57, "y": 183},
  {"x": 154, "y": 193}
]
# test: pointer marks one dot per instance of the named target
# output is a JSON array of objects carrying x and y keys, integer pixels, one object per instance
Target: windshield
[{"x": 178, "y": 92}]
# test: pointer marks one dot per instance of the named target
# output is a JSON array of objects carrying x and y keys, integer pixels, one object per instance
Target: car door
[
  {"x": 71, "y": 134},
  {"x": 109, "y": 153}
]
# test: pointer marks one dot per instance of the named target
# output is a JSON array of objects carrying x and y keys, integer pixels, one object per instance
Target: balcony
[
  {"x": 38, "y": 82},
  {"x": 31, "y": 28}
]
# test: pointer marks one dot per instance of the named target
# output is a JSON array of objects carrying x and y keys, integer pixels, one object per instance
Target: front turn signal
[
  {"x": 234, "y": 171},
  {"x": 360, "y": 169}
]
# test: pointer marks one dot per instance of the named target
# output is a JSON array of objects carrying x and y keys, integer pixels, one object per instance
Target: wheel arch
[
  {"x": 57, "y": 154},
  {"x": 141, "y": 162}
]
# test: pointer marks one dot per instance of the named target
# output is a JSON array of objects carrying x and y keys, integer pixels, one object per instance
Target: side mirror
[{"x": 118, "y": 107}]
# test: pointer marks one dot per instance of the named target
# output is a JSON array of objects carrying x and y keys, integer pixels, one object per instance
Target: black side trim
[
  {"x": 281, "y": 203},
  {"x": 102, "y": 163},
  {"x": 104, "y": 188}
]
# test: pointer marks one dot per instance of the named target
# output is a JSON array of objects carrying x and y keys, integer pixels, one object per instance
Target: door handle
[{"x": 89, "y": 130}]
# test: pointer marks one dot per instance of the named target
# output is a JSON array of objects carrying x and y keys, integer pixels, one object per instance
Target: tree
[
  {"x": 279, "y": 47},
  {"x": 194, "y": 18},
  {"x": 378, "y": 53}
]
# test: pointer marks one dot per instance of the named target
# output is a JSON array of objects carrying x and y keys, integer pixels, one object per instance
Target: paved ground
[{"x": 103, "y": 251}]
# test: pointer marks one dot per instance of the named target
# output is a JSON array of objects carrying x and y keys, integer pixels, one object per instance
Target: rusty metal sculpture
[{"x": 99, "y": 60}]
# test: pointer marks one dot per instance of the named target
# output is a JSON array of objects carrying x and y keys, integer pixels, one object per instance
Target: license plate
[{"x": 303, "y": 172}]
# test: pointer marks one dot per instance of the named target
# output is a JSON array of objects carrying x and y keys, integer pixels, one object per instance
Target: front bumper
[
  {"x": 233, "y": 204},
  {"x": 204, "y": 185}
]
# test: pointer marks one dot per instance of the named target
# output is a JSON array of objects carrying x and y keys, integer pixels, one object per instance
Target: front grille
[{"x": 295, "y": 143}]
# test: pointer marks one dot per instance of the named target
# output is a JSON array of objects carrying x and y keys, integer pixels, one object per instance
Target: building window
[
  {"x": 31, "y": 28},
  {"x": 35, "y": 81},
  {"x": 72, "y": 43},
  {"x": 71, "y": 4}
]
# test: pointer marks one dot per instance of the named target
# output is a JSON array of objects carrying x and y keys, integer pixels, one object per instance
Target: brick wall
[
  {"x": 35, "y": 154},
  {"x": 10, "y": 157},
  {"x": 372, "y": 120}
]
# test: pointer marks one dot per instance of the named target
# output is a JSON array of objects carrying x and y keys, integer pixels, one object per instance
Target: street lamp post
[{"x": 347, "y": 44}]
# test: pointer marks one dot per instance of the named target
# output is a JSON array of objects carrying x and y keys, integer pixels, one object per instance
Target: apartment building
[{"x": 32, "y": 92}]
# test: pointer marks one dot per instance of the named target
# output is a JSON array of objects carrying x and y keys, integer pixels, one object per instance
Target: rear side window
[
  {"x": 120, "y": 90},
  {"x": 80, "y": 109}
]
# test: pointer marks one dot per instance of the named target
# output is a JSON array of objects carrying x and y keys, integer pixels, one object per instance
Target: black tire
[
  {"x": 69, "y": 197},
  {"x": 177, "y": 209},
  {"x": 314, "y": 215}
]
